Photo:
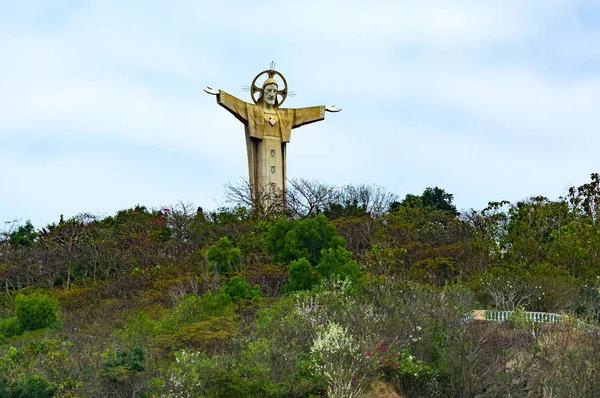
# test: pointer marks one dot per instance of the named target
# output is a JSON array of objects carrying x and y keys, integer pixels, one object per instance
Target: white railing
[{"x": 501, "y": 316}]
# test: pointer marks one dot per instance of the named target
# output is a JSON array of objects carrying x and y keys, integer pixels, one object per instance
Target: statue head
[
  {"x": 275, "y": 90},
  {"x": 269, "y": 92}
]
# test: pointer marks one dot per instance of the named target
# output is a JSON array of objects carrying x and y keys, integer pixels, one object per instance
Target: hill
[{"x": 339, "y": 291}]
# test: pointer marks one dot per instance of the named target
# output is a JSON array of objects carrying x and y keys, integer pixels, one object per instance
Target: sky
[{"x": 102, "y": 104}]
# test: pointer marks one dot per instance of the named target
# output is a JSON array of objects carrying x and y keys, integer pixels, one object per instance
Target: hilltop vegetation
[{"x": 342, "y": 289}]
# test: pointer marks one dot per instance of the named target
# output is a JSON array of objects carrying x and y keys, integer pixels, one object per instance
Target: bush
[
  {"x": 293, "y": 240},
  {"x": 37, "y": 311},
  {"x": 36, "y": 387},
  {"x": 337, "y": 355},
  {"x": 193, "y": 374},
  {"x": 193, "y": 308},
  {"x": 536, "y": 287},
  {"x": 133, "y": 360},
  {"x": 338, "y": 263},
  {"x": 302, "y": 276},
  {"x": 224, "y": 257},
  {"x": 238, "y": 289},
  {"x": 28, "y": 387},
  {"x": 10, "y": 327}
]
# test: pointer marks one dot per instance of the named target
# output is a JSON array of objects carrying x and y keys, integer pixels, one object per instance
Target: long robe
[{"x": 266, "y": 137}]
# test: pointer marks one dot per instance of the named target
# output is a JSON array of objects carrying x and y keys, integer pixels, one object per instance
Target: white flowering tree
[{"x": 336, "y": 355}]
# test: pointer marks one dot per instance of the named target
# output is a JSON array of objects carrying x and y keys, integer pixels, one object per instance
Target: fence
[{"x": 501, "y": 316}]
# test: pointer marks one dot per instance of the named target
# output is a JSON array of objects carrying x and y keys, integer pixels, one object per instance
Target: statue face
[{"x": 270, "y": 93}]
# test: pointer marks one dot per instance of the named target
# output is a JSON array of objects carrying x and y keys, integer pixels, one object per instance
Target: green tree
[
  {"x": 291, "y": 240},
  {"x": 37, "y": 311},
  {"x": 239, "y": 289},
  {"x": 338, "y": 263},
  {"x": 36, "y": 387},
  {"x": 24, "y": 236},
  {"x": 224, "y": 257},
  {"x": 529, "y": 232},
  {"x": 431, "y": 199},
  {"x": 125, "y": 371},
  {"x": 302, "y": 276}
]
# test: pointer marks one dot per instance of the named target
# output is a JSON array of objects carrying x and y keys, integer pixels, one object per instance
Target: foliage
[
  {"x": 10, "y": 327},
  {"x": 133, "y": 360},
  {"x": 238, "y": 289},
  {"x": 24, "y": 235},
  {"x": 224, "y": 257},
  {"x": 336, "y": 355},
  {"x": 194, "y": 374},
  {"x": 124, "y": 369},
  {"x": 36, "y": 369},
  {"x": 28, "y": 387},
  {"x": 519, "y": 319},
  {"x": 337, "y": 262},
  {"x": 291, "y": 240},
  {"x": 379, "y": 294},
  {"x": 302, "y": 276},
  {"x": 431, "y": 199},
  {"x": 400, "y": 367},
  {"x": 189, "y": 309},
  {"x": 37, "y": 311}
]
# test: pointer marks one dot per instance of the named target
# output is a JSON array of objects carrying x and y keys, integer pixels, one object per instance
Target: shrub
[
  {"x": 238, "y": 289},
  {"x": 36, "y": 387},
  {"x": 302, "y": 276},
  {"x": 293, "y": 240},
  {"x": 194, "y": 374},
  {"x": 536, "y": 287},
  {"x": 338, "y": 263},
  {"x": 212, "y": 335},
  {"x": 193, "y": 308},
  {"x": 224, "y": 257},
  {"x": 133, "y": 360},
  {"x": 28, "y": 387},
  {"x": 10, "y": 327},
  {"x": 337, "y": 356},
  {"x": 37, "y": 311}
]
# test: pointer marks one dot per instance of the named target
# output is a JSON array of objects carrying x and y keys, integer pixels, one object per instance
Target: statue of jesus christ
[{"x": 268, "y": 128}]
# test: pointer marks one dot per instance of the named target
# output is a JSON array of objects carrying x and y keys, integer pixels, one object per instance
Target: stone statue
[{"x": 268, "y": 128}]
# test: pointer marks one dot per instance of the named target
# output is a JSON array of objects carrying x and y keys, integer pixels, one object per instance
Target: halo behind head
[{"x": 254, "y": 89}]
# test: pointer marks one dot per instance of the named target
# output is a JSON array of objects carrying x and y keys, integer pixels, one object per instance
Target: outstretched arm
[
  {"x": 311, "y": 114},
  {"x": 308, "y": 115},
  {"x": 234, "y": 105}
]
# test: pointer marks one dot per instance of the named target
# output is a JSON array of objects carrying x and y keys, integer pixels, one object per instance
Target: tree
[
  {"x": 431, "y": 199},
  {"x": 224, "y": 257},
  {"x": 307, "y": 198},
  {"x": 530, "y": 228},
  {"x": 37, "y": 311},
  {"x": 292, "y": 240},
  {"x": 24, "y": 236},
  {"x": 360, "y": 200},
  {"x": 302, "y": 276},
  {"x": 238, "y": 289},
  {"x": 265, "y": 201},
  {"x": 438, "y": 199},
  {"x": 338, "y": 263}
]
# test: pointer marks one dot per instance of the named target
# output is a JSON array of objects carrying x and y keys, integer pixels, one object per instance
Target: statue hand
[
  {"x": 332, "y": 108},
  {"x": 211, "y": 90}
]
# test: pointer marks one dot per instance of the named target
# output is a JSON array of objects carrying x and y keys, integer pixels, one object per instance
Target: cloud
[{"x": 491, "y": 99}]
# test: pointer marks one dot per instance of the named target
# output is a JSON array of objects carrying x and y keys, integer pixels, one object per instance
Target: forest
[{"x": 333, "y": 292}]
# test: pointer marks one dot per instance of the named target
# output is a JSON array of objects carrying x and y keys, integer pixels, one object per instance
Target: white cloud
[{"x": 463, "y": 94}]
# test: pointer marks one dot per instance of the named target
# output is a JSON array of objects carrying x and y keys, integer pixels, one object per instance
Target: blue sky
[{"x": 102, "y": 108}]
